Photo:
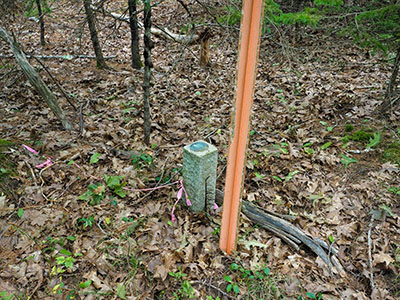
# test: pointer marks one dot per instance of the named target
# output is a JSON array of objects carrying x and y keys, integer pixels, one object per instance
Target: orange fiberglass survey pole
[{"x": 248, "y": 53}]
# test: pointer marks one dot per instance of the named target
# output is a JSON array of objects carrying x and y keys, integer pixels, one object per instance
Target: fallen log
[
  {"x": 266, "y": 221},
  {"x": 289, "y": 233},
  {"x": 35, "y": 79}
]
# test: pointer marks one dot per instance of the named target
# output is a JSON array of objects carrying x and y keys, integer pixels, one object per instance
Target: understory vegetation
[{"x": 96, "y": 212}]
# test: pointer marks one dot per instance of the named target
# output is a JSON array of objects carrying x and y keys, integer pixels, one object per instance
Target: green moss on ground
[
  {"x": 361, "y": 136},
  {"x": 349, "y": 128},
  {"x": 392, "y": 153}
]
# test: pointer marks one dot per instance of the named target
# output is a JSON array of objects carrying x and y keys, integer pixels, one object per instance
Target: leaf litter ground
[{"x": 309, "y": 95}]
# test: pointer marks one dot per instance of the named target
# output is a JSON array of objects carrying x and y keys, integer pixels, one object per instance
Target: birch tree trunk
[
  {"x": 133, "y": 24},
  {"x": 101, "y": 64},
  {"x": 35, "y": 79},
  {"x": 148, "y": 44}
]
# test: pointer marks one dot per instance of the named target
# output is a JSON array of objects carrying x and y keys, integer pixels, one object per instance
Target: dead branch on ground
[
  {"x": 163, "y": 32},
  {"x": 289, "y": 233},
  {"x": 35, "y": 79}
]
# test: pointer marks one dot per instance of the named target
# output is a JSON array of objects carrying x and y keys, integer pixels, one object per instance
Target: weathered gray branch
[
  {"x": 35, "y": 79},
  {"x": 288, "y": 232},
  {"x": 163, "y": 32},
  {"x": 265, "y": 219}
]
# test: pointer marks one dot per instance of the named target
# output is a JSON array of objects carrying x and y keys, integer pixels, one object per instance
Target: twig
[
  {"x": 214, "y": 287},
  {"x": 326, "y": 246},
  {"x": 96, "y": 9},
  {"x": 222, "y": 171},
  {"x": 212, "y": 132},
  {"x": 80, "y": 120},
  {"x": 208, "y": 11},
  {"x": 56, "y": 82},
  {"x": 371, "y": 271},
  {"x": 158, "y": 183},
  {"x": 32, "y": 173},
  {"x": 164, "y": 32},
  {"x": 65, "y": 189},
  {"x": 6, "y": 74},
  {"x": 185, "y": 7},
  {"x": 99, "y": 225}
]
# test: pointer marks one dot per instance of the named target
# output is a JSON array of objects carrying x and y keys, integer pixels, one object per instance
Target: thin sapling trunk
[
  {"x": 41, "y": 22},
  {"x": 133, "y": 24},
  {"x": 148, "y": 44},
  {"x": 392, "y": 84},
  {"x": 101, "y": 64}
]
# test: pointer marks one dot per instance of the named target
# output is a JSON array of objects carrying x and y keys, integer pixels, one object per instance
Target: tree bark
[
  {"x": 205, "y": 48},
  {"x": 148, "y": 44},
  {"x": 133, "y": 24},
  {"x": 101, "y": 64},
  {"x": 395, "y": 73},
  {"x": 41, "y": 21},
  {"x": 35, "y": 79},
  {"x": 392, "y": 84}
]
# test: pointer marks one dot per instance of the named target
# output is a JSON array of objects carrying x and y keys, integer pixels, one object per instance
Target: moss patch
[
  {"x": 362, "y": 136},
  {"x": 358, "y": 136},
  {"x": 392, "y": 153},
  {"x": 349, "y": 128},
  {"x": 5, "y": 143}
]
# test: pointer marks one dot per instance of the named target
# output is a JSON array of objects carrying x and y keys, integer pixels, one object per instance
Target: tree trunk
[
  {"x": 35, "y": 79},
  {"x": 148, "y": 44},
  {"x": 133, "y": 24},
  {"x": 205, "y": 48},
  {"x": 93, "y": 34},
  {"x": 39, "y": 7},
  {"x": 392, "y": 84},
  {"x": 395, "y": 73}
]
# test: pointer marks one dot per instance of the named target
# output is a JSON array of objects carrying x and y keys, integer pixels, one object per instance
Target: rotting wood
[
  {"x": 262, "y": 218},
  {"x": 288, "y": 232}
]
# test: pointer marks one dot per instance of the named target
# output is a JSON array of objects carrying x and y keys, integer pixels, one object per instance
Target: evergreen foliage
[
  {"x": 377, "y": 27},
  {"x": 374, "y": 25}
]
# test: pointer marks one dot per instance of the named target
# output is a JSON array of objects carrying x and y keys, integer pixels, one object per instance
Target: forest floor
[{"x": 315, "y": 113}]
